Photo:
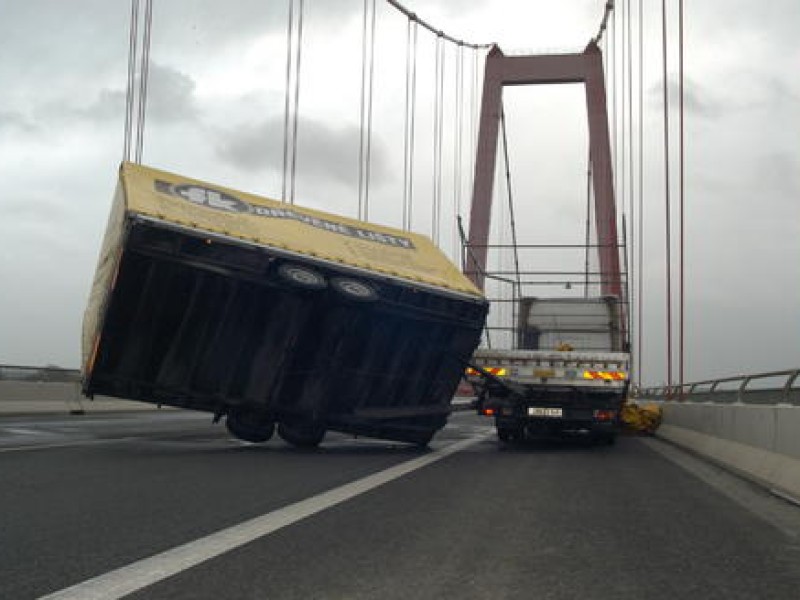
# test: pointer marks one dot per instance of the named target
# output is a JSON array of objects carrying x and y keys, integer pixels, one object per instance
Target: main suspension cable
[
  {"x": 437, "y": 32},
  {"x": 604, "y": 22}
]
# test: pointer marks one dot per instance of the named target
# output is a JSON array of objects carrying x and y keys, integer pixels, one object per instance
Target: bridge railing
[
  {"x": 773, "y": 387},
  {"x": 39, "y": 374}
]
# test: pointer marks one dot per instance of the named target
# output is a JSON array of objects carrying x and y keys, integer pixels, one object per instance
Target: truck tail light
[{"x": 604, "y": 415}]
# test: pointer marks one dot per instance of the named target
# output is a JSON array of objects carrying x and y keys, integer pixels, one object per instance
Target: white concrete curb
[{"x": 771, "y": 469}]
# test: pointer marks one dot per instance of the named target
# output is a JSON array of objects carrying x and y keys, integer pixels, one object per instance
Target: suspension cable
[
  {"x": 367, "y": 82},
  {"x": 438, "y": 119},
  {"x": 410, "y": 123},
  {"x": 632, "y": 274},
  {"x": 604, "y": 22},
  {"x": 437, "y": 32},
  {"x": 619, "y": 173},
  {"x": 588, "y": 223},
  {"x": 287, "y": 98},
  {"x": 682, "y": 190},
  {"x": 512, "y": 220},
  {"x": 640, "y": 282},
  {"x": 144, "y": 73},
  {"x": 133, "y": 39},
  {"x": 458, "y": 143},
  {"x": 667, "y": 194},
  {"x": 468, "y": 252},
  {"x": 294, "y": 45},
  {"x": 295, "y": 111},
  {"x": 626, "y": 267},
  {"x": 612, "y": 56}
]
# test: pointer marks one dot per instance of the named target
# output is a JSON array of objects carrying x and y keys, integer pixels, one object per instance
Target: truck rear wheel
[
  {"x": 606, "y": 439},
  {"x": 508, "y": 436},
  {"x": 301, "y": 435},
  {"x": 249, "y": 426}
]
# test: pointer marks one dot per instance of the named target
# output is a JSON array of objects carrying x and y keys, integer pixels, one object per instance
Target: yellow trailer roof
[{"x": 204, "y": 206}]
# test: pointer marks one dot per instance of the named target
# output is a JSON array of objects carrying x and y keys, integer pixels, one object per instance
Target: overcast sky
[{"x": 215, "y": 112}]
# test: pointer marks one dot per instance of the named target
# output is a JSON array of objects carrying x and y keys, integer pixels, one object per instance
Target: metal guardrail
[
  {"x": 39, "y": 374},
  {"x": 708, "y": 390}
]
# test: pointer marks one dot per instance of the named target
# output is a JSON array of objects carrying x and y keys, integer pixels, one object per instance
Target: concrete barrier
[
  {"x": 34, "y": 397},
  {"x": 760, "y": 441}
]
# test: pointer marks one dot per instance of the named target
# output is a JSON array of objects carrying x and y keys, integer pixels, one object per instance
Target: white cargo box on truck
[{"x": 591, "y": 324}]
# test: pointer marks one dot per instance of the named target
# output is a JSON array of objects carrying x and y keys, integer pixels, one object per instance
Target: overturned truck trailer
[{"x": 274, "y": 315}]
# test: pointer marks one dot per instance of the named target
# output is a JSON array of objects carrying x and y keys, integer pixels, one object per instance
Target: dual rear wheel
[{"x": 256, "y": 428}]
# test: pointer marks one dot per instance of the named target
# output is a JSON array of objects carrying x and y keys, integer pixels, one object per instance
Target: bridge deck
[{"x": 84, "y": 497}]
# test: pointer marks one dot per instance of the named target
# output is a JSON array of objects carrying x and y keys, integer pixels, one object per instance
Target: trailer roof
[{"x": 325, "y": 236}]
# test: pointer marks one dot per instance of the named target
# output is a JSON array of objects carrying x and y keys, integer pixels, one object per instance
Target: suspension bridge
[{"x": 108, "y": 499}]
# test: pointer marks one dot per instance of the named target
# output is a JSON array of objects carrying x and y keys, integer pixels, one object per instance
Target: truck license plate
[{"x": 540, "y": 411}]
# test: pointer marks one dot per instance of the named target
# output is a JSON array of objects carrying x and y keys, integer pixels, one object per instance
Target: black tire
[
  {"x": 424, "y": 439},
  {"x": 605, "y": 439},
  {"x": 353, "y": 289},
  {"x": 301, "y": 276},
  {"x": 250, "y": 427},
  {"x": 301, "y": 435},
  {"x": 509, "y": 436}
]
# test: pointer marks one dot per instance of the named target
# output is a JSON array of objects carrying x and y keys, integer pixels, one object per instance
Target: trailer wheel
[
  {"x": 353, "y": 289},
  {"x": 250, "y": 427},
  {"x": 301, "y": 276},
  {"x": 421, "y": 441},
  {"x": 301, "y": 435}
]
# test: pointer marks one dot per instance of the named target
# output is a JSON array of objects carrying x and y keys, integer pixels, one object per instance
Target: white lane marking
[
  {"x": 146, "y": 572},
  {"x": 24, "y": 431},
  {"x": 64, "y": 445}
]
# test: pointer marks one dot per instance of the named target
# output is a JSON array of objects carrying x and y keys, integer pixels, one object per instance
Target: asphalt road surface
[{"x": 167, "y": 505}]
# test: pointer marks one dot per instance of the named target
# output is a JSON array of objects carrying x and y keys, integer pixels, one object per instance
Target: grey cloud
[
  {"x": 322, "y": 151},
  {"x": 170, "y": 94},
  {"x": 170, "y": 97},
  {"x": 16, "y": 121},
  {"x": 779, "y": 174},
  {"x": 698, "y": 100}
]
